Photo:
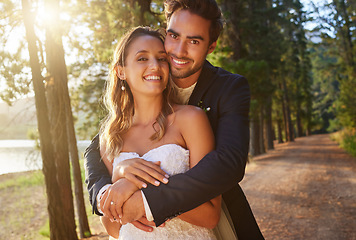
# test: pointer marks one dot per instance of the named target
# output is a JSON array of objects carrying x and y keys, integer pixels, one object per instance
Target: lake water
[{"x": 20, "y": 155}]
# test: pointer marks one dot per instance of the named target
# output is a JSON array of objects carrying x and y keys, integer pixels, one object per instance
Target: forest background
[{"x": 299, "y": 61}]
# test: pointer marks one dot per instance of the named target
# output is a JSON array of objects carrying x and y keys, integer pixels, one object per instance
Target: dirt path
[{"x": 304, "y": 190}]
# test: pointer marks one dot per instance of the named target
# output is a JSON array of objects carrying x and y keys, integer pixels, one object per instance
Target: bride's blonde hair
[{"x": 119, "y": 101}]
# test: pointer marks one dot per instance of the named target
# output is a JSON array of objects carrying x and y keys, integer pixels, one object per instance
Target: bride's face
[{"x": 146, "y": 67}]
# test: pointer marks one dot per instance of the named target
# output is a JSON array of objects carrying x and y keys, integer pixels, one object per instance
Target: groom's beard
[
  {"x": 191, "y": 68},
  {"x": 179, "y": 73}
]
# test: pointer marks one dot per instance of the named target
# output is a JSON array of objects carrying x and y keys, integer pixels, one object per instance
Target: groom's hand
[
  {"x": 133, "y": 209},
  {"x": 144, "y": 225}
]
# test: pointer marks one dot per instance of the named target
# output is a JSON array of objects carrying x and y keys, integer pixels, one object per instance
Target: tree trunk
[
  {"x": 230, "y": 8},
  {"x": 54, "y": 203},
  {"x": 84, "y": 229},
  {"x": 287, "y": 117},
  {"x": 299, "y": 122},
  {"x": 261, "y": 131},
  {"x": 145, "y": 6},
  {"x": 285, "y": 124},
  {"x": 269, "y": 128},
  {"x": 309, "y": 117},
  {"x": 279, "y": 129},
  {"x": 57, "y": 83},
  {"x": 254, "y": 139}
]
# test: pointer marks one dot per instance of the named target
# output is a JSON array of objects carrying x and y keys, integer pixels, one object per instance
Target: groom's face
[{"x": 187, "y": 43}]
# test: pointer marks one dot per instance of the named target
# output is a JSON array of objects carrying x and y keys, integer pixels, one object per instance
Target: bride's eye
[
  {"x": 162, "y": 59},
  {"x": 142, "y": 59}
]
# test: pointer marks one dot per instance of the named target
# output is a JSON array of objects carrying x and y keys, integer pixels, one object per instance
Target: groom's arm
[
  {"x": 96, "y": 173},
  {"x": 219, "y": 170}
]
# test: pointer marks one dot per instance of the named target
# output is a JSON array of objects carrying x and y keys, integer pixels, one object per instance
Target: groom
[{"x": 193, "y": 27}]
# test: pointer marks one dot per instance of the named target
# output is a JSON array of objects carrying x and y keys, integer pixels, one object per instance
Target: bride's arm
[{"x": 199, "y": 138}]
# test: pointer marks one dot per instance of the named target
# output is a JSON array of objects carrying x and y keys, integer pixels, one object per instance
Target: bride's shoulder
[
  {"x": 183, "y": 110},
  {"x": 184, "y": 113}
]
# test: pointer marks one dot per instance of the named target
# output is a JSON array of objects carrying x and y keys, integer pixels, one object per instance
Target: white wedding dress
[{"x": 174, "y": 159}]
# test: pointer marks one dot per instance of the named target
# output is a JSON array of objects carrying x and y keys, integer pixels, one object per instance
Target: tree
[
  {"x": 344, "y": 29},
  {"x": 55, "y": 205},
  {"x": 250, "y": 35},
  {"x": 336, "y": 26},
  {"x": 60, "y": 129},
  {"x": 63, "y": 128},
  {"x": 13, "y": 74}
]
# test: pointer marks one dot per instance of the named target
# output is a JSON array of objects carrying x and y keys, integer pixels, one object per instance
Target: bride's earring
[
  {"x": 121, "y": 75},
  {"x": 123, "y": 85}
]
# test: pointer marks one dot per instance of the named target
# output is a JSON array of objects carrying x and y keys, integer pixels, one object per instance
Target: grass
[
  {"x": 33, "y": 178},
  {"x": 44, "y": 231},
  {"x": 24, "y": 213},
  {"x": 22, "y": 195}
]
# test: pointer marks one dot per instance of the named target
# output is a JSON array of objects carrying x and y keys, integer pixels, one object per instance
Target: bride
[{"x": 146, "y": 127}]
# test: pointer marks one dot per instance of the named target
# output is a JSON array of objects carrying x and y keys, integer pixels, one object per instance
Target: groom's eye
[{"x": 173, "y": 36}]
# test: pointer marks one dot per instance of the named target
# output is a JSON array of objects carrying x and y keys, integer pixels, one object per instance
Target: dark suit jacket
[{"x": 228, "y": 98}]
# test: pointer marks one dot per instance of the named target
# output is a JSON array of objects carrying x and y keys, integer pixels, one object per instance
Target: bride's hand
[
  {"x": 140, "y": 172},
  {"x": 116, "y": 196}
]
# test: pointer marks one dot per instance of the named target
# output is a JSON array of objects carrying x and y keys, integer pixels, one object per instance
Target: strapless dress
[{"x": 174, "y": 159}]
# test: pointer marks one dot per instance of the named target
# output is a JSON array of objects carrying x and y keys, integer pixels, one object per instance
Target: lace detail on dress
[{"x": 174, "y": 159}]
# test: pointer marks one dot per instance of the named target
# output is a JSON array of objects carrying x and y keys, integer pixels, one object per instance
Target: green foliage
[
  {"x": 255, "y": 71},
  {"x": 33, "y": 134},
  {"x": 334, "y": 125},
  {"x": 15, "y": 74},
  {"x": 346, "y": 139},
  {"x": 346, "y": 110},
  {"x": 87, "y": 105},
  {"x": 87, "y": 234},
  {"x": 325, "y": 85},
  {"x": 349, "y": 143},
  {"x": 109, "y": 20},
  {"x": 266, "y": 42},
  {"x": 334, "y": 66}
]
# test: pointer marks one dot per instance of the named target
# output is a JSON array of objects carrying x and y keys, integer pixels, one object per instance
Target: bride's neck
[{"x": 147, "y": 110}]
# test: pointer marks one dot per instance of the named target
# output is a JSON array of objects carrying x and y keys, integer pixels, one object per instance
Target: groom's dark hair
[{"x": 207, "y": 9}]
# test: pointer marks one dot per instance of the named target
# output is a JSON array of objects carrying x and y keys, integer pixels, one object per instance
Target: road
[{"x": 303, "y": 190}]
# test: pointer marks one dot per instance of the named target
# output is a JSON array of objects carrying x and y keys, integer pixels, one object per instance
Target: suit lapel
[{"x": 204, "y": 81}]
